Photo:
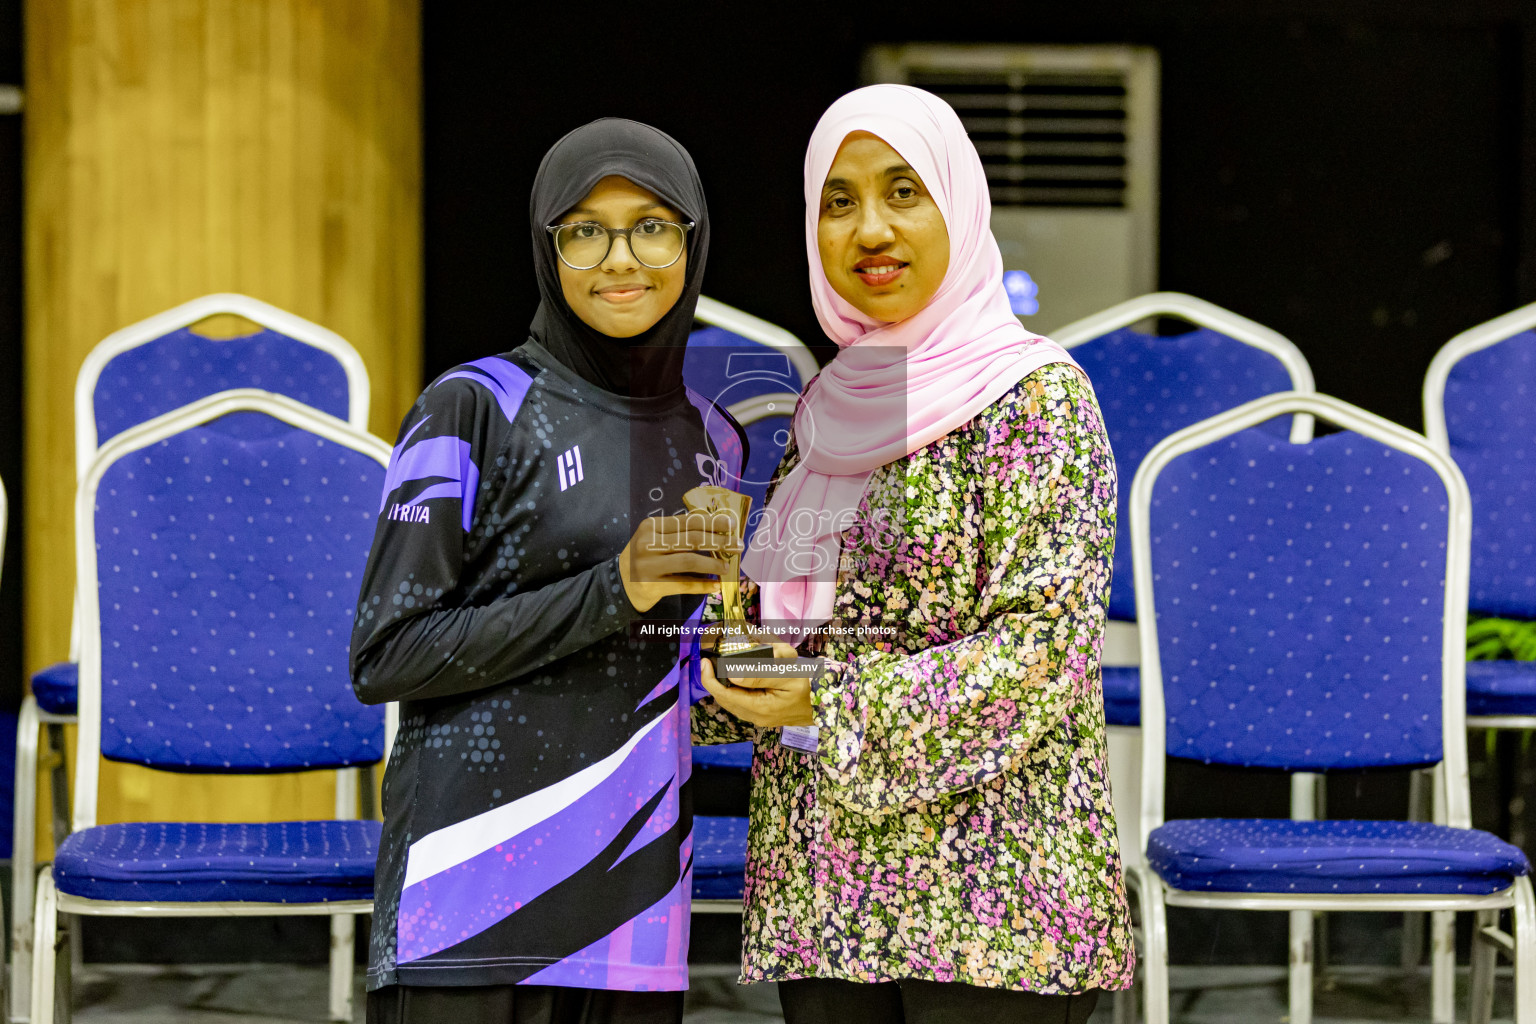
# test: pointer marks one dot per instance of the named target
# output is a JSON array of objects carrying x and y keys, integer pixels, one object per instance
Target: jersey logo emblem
[
  {"x": 410, "y": 513},
  {"x": 569, "y": 465}
]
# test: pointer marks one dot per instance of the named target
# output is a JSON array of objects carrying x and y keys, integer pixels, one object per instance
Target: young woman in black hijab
[{"x": 536, "y": 858}]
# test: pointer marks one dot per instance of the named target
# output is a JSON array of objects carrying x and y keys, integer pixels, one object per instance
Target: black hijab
[{"x": 650, "y": 363}]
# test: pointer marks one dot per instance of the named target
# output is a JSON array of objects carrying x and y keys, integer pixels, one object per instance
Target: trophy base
[{"x": 735, "y": 660}]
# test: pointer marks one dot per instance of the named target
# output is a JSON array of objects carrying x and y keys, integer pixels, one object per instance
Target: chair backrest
[
  {"x": 755, "y": 371},
  {"x": 1302, "y": 605},
  {"x": 156, "y": 365},
  {"x": 220, "y": 550},
  {"x": 1480, "y": 408},
  {"x": 1149, "y": 386}
]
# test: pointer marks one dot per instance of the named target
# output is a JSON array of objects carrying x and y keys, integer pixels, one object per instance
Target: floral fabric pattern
[{"x": 955, "y": 823}]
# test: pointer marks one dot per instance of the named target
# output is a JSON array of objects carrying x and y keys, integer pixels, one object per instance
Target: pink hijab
[{"x": 893, "y": 388}]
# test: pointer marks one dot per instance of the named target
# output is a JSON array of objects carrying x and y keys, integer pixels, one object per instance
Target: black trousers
[
  {"x": 910, "y": 1001},
  {"x": 520, "y": 1004}
]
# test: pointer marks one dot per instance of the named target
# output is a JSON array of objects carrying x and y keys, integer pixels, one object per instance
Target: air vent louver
[{"x": 1047, "y": 138}]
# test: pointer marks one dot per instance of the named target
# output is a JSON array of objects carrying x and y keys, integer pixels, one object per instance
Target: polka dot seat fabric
[
  {"x": 1279, "y": 855},
  {"x": 1299, "y": 603},
  {"x": 279, "y": 862},
  {"x": 229, "y": 557},
  {"x": 1149, "y": 387},
  {"x": 719, "y": 858}
]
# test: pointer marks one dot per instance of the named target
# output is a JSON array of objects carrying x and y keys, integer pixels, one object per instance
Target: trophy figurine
[{"x": 711, "y": 500}]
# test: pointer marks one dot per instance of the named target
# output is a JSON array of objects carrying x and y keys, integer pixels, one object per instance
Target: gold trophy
[{"x": 711, "y": 500}]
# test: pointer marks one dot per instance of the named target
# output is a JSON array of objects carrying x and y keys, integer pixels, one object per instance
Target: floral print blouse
[{"x": 955, "y": 823}]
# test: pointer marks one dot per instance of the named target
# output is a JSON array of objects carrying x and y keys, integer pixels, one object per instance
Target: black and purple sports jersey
[{"x": 537, "y": 812}]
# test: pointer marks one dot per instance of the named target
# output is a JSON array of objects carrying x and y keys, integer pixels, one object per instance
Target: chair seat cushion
[
  {"x": 729, "y": 756},
  {"x": 1122, "y": 694},
  {"x": 57, "y": 688},
  {"x": 1501, "y": 687},
  {"x": 190, "y": 862},
  {"x": 1275, "y": 855},
  {"x": 719, "y": 858}
]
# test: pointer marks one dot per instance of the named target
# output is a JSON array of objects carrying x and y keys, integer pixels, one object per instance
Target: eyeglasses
[{"x": 654, "y": 242}]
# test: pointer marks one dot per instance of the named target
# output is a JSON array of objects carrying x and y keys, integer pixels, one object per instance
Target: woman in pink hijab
[{"x": 931, "y": 836}]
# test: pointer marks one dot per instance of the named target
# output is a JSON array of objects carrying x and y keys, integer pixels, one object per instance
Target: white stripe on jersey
[{"x": 448, "y": 847}]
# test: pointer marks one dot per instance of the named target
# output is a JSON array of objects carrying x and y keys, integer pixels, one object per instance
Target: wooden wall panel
[{"x": 180, "y": 147}]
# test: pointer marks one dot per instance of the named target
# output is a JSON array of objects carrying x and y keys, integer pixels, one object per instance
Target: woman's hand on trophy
[
  {"x": 741, "y": 640},
  {"x": 669, "y": 555},
  {"x": 765, "y": 701}
]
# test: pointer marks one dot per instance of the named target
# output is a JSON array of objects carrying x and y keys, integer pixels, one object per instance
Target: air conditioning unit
[{"x": 1068, "y": 135}]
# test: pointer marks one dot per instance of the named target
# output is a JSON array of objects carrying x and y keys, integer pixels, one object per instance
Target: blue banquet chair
[
  {"x": 135, "y": 374},
  {"x": 1302, "y": 607},
  {"x": 1149, "y": 386},
  {"x": 1480, "y": 409},
  {"x": 219, "y": 550}
]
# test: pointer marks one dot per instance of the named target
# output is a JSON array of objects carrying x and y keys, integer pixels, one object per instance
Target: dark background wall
[{"x": 1349, "y": 173}]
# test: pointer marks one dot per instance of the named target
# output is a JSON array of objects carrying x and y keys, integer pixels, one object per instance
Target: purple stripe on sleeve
[
  {"x": 394, "y": 460},
  {"x": 508, "y": 383},
  {"x": 435, "y": 491},
  {"x": 452, "y": 491},
  {"x": 434, "y": 457},
  {"x": 450, "y": 905},
  {"x": 443, "y": 457},
  {"x": 406, "y": 440}
]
